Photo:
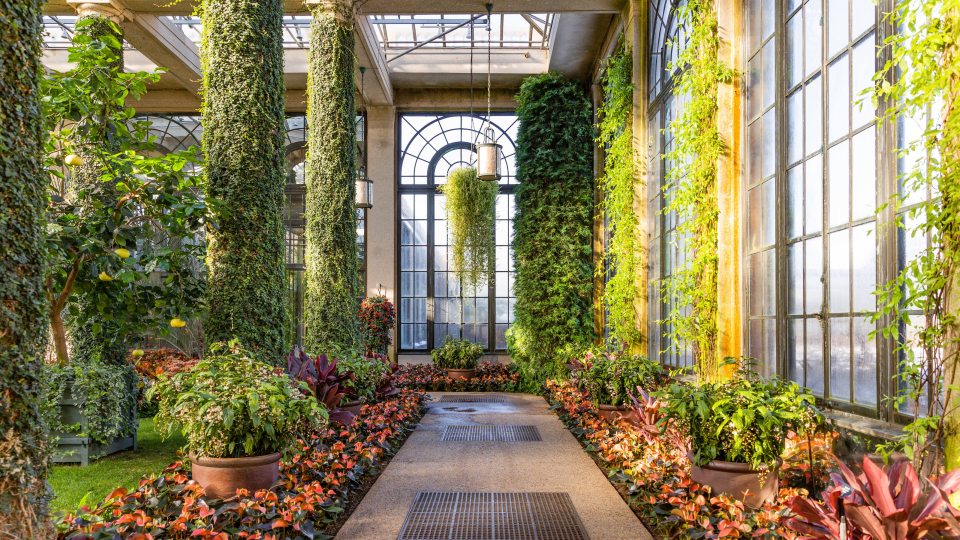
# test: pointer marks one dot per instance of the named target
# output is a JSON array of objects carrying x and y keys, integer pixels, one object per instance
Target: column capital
[
  {"x": 344, "y": 10},
  {"x": 111, "y": 9}
]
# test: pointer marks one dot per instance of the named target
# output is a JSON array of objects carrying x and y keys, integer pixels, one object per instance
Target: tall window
[
  {"x": 432, "y": 305},
  {"x": 808, "y": 61}
]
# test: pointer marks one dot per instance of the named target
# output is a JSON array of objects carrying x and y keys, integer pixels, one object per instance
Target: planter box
[{"x": 83, "y": 450}]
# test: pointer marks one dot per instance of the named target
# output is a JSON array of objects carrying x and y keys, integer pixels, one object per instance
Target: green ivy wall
[
  {"x": 23, "y": 446},
  {"x": 553, "y": 243},
  {"x": 243, "y": 141},
  {"x": 332, "y": 295}
]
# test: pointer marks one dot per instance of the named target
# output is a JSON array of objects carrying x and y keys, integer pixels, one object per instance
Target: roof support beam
[
  {"x": 166, "y": 45},
  {"x": 368, "y": 52}
]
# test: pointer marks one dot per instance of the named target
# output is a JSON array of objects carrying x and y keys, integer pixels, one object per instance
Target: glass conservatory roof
[
  {"x": 58, "y": 31},
  {"x": 513, "y": 30},
  {"x": 296, "y": 29}
]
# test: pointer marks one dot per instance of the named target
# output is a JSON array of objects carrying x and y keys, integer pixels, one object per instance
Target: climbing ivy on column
[
  {"x": 332, "y": 295},
  {"x": 243, "y": 142},
  {"x": 23, "y": 446},
  {"x": 920, "y": 84},
  {"x": 553, "y": 250},
  {"x": 691, "y": 187},
  {"x": 619, "y": 182}
]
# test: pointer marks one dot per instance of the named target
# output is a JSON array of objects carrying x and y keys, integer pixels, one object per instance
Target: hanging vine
[
  {"x": 691, "y": 186},
  {"x": 619, "y": 182},
  {"x": 471, "y": 211},
  {"x": 921, "y": 85}
]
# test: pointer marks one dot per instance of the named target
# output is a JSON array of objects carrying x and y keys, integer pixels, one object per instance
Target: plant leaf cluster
[
  {"x": 471, "y": 212},
  {"x": 613, "y": 378},
  {"x": 456, "y": 354}
]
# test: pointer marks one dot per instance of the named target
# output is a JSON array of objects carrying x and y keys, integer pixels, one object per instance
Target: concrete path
[{"x": 556, "y": 464}]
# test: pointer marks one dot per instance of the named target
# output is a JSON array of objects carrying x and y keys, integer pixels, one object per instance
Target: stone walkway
[{"x": 556, "y": 464}]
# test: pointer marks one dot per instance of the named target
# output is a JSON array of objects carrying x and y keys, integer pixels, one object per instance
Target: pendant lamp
[
  {"x": 364, "y": 186},
  {"x": 489, "y": 153}
]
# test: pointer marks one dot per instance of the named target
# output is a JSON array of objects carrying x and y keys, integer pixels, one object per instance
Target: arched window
[{"x": 431, "y": 304}]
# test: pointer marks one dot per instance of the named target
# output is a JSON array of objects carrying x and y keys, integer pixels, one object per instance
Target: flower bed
[
  {"x": 316, "y": 483},
  {"x": 153, "y": 362},
  {"x": 490, "y": 377},
  {"x": 652, "y": 472}
]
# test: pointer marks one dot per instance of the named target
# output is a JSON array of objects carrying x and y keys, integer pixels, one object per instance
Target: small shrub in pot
[
  {"x": 237, "y": 415},
  {"x": 458, "y": 357},
  {"x": 611, "y": 378}
]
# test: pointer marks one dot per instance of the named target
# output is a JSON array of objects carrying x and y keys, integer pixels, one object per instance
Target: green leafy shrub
[
  {"x": 106, "y": 395},
  {"x": 553, "y": 251},
  {"x": 231, "y": 405},
  {"x": 457, "y": 354},
  {"x": 471, "y": 212},
  {"x": 743, "y": 420},
  {"x": 366, "y": 375},
  {"x": 612, "y": 378}
]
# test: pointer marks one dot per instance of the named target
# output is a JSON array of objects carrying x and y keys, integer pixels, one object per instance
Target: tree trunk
[
  {"x": 243, "y": 142},
  {"x": 24, "y": 494},
  {"x": 332, "y": 296},
  {"x": 59, "y": 331}
]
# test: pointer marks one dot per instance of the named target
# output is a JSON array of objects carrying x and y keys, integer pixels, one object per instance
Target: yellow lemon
[
  {"x": 105, "y": 277},
  {"x": 73, "y": 160},
  {"x": 136, "y": 353},
  {"x": 177, "y": 323},
  {"x": 122, "y": 253}
]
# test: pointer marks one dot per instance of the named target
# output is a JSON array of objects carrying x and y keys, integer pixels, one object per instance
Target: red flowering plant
[
  {"x": 490, "y": 377},
  {"x": 149, "y": 365},
  {"x": 377, "y": 318},
  {"x": 316, "y": 480},
  {"x": 653, "y": 473}
]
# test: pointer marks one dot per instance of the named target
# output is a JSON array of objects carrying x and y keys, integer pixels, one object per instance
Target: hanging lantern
[
  {"x": 364, "y": 189},
  {"x": 489, "y": 154}
]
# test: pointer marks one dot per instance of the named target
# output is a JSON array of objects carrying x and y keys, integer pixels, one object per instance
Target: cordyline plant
[
  {"x": 124, "y": 238},
  {"x": 891, "y": 504},
  {"x": 320, "y": 376}
]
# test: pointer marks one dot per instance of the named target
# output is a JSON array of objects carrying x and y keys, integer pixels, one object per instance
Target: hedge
[
  {"x": 243, "y": 141},
  {"x": 332, "y": 295},
  {"x": 23, "y": 446},
  {"x": 553, "y": 244}
]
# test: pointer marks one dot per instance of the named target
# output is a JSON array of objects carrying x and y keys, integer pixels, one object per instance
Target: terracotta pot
[
  {"x": 222, "y": 477},
  {"x": 738, "y": 480},
  {"x": 352, "y": 406},
  {"x": 461, "y": 374},
  {"x": 611, "y": 413}
]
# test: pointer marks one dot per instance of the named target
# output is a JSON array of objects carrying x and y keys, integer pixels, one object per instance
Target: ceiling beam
[
  {"x": 385, "y": 7},
  {"x": 166, "y": 45},
  {"x": 368, "y": 52},
  {"x": 575, "y": 40}
]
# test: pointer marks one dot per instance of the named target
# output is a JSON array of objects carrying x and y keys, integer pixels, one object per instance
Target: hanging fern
[{"x": 471, "y": 211}]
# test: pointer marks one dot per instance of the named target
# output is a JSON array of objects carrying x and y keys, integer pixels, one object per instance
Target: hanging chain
[
  {"x": 472, "y": 36},
  {"x": 489, "y": 62}
]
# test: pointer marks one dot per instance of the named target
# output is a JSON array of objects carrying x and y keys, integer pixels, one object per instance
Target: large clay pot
[
  {"x": 352, "y": 407},
  {"x": 738, "y": 480},
  {"x": 611, "y": 413},
  {"x": 461, "y": 374},
  {"x": 222, "y": 477}
]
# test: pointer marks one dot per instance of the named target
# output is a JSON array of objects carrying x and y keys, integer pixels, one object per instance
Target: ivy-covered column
[
  {"x": 331, "y": 299},
  {"x": 23, "y": 446},
  {"x": 552, "y": 245},
  {"x": 243, "y": 142},
  {"x": 98, "y": 22}
]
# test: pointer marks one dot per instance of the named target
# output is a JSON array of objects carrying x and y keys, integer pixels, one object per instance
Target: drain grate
[
  {"x": 471, "y": 399},
  {"x": 492, "y": 516},
  {"x": 496, "y": 433}
]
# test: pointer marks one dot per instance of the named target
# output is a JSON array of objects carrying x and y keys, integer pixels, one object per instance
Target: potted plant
[
  {"x": 238, "y": 415},
  {"x": 320, "y": 376},
  {"x": 363, "y": 377},
  {"x": 457, "y": 357},
  {"x": 738, "y": 429},
  {"x": 611, "y": 377},
  {"x": 377, "y": 318}
]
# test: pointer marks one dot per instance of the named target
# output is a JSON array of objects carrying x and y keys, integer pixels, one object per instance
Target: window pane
[
  {"x": 865, "y": 362},
  {"x": 840, "y": 358},
  {"x": 864, "y": 178},
  {"x": 813, "y": 271},
  {"x": 838, "y": 23},
  {"x": 813, "y": 32},
  {"x": 864, "y": 66},
  {"x": 864, "y": 16},
  {"x": 794, "y": 50},
  {"x": 769, "y": 72},
  {"x": 840, "y": 271},
  {"x": 863, "y": 241},
  {"x": 838, "y": 96},
  {"x": 814, "y": 194},
  {"x": 769, "y": 143},
  {"x": 795, "y": 352},
  {"x": 814, "y": 352},
  {"x": 795, "y": 127},
  {"x": 813, "y": 94},
  {"x": 839, "y": 181},
  {"x": 795, "y": 211},
  {"x": 795, "y": 278}
]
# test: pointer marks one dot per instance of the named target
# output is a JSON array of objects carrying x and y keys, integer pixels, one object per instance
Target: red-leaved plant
[
  {"x": 377, "y": 317},
  {"x": 320, "y": 375},
  {"x": 880, "y": 504}
]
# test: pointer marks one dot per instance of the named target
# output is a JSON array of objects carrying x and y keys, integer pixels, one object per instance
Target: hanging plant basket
[{"x": 471, "y": 212}]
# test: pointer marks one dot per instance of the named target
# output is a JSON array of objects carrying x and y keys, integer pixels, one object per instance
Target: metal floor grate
[
  {"x": 492, "y": 516},
  {"x": 471, "y": 399},
  {"x": 498, "y": 433}
]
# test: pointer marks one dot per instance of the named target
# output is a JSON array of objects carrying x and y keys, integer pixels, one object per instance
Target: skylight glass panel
[
  {"x": 296, "y": 30},
  {"x": 58, "y": 32},
  {"x": 512, "y": 30}
]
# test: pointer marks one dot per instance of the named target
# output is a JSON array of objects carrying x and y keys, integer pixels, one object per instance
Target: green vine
[
  {"x": 921, "y": 84},
  {"x": 619, "y": 183},
  {"x": 106, "y": 396},
  {"x": 691, "y": 187},
  {"x": 471, "y": 212},
  {"x": 332, "y": 296},
  {"x": 243, "y": 141},
  {"x": 24, "y": 492},
  {"x": 553, "y": 251}
]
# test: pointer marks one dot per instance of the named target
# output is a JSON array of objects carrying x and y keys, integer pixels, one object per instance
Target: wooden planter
[
  {"x": 72, "y": 448},
  {"x": 461, "y": 374},
  {"x": 222, "y": 477},
  {"x": 611, "y": 413},
  {"x": 738, "y": 480}
]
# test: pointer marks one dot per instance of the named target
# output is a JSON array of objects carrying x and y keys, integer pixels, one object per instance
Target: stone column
[
  {"x": 23, "y": 445},
  {"x": 639, "y": 45},
  {"x": 382, "y": 218},
  {"x": 332, "y": 292},
  {"x": 243, "y": 142}
]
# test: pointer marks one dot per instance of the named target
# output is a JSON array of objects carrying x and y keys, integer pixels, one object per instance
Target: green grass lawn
[{"x": 71, "y": 483}]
